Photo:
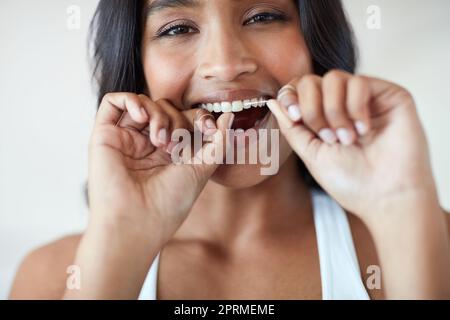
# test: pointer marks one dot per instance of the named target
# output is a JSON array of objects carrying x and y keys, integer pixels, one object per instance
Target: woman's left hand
[{"x": 359, "y": 137}]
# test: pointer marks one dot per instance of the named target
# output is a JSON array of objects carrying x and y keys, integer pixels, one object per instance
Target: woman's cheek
[
  {"x": 166, "y": 75},
  {"x": 287, "y": 57}
]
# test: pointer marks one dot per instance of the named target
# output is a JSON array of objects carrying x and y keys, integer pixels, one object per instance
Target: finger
[
  {"x": 280, "y": 113},
  {"x": 358, "y": 97},
  {"x": 205, "y": 162},
  {"x": 126, "y": 121},
  {"x": 202, "y": 120},
  {"x": 289, "y": 101},
  {"x": 310, "y": 94},
  {"x": 177, "y": 121},
  {"x": 334, "y": 92},
  {"x": 176, "y": 118},
  {"x": 159, "y": 122},
  {"x": 379, "y": 88},
  {"x": 301, "y": 139},
  {"x": 113, "y": 106},
  {"x": 217, "y": 147}
]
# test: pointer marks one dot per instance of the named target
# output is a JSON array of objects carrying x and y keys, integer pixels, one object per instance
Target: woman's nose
[{"x": 225, "y": 58}]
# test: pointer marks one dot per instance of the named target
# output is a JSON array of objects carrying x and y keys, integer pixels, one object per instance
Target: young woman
[{"x": 354, "y": 199}]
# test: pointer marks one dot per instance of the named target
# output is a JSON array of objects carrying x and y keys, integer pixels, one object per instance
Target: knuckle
[
  {"x": 127, "y": 95},
  {"x": 359, "y": 80},
  {"x": 405, "y": 94},
  {"x": 107, "y": 97},
  {"x": 401, "y": 96},
  {"x": 359, "y": 84},
  {"x": 307, "y": 82},
  {"x": 133, "y": 98},
  {"x": 407, "y": 98},
  {"x": 334, "y": 75}
]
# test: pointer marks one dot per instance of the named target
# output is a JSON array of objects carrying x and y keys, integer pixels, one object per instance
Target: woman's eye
[
  {"x": 182, "y": 29},
  {"x": 265, "y": 17},
  {"x": 176, "y": 30}
]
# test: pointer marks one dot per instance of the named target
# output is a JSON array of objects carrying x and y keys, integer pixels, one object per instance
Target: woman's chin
[{"x": 239, "y": 176}]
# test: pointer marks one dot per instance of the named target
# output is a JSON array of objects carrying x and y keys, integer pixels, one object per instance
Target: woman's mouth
[{"x": 248, "y": 113}]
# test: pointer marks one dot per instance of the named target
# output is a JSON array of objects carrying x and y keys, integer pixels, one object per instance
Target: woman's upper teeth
[{"x": 235, "y": 106}]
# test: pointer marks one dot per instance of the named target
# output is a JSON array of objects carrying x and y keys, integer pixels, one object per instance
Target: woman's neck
[{"x": 279, "y": 205}]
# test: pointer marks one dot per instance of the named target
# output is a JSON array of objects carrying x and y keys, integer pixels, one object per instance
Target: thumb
[
  {"x": 214, "y": 151},
  {"x": 302, "y": 140},
  {"x": 205, "y": 160}
]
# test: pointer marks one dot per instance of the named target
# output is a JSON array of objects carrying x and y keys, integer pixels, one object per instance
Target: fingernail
[
  {"x": 162, "y": 136},
  {"x": 328, "y": 136},
  {"x": 361, "y": 128},
  {"x": 345, "y": 137},
  {"x": 210, "y": 124},
  {"x": 294, "y": 112}
]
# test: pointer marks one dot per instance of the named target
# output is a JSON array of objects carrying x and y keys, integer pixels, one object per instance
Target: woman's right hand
[{"x": 132, "y": 179}]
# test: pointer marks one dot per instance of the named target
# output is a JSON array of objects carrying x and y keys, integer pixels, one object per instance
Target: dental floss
[
  {"x": 246, "y": 104},
  {"x": 256, "y": 102}
]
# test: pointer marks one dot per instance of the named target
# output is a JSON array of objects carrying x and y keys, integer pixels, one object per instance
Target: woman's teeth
[{"x": 235, "y": 106}]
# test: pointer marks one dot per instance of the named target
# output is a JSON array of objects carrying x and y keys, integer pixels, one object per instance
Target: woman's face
[{"x": 198, "y": 51}]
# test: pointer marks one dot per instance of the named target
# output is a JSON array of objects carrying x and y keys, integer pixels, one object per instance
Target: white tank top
[{"x": 339, "y": 268}]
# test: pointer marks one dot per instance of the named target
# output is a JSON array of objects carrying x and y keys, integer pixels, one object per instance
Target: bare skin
[
  {"x": 42, "y": 274},
  {"x": 242, "y": 235},
  {"x": 197, "y": 267}
]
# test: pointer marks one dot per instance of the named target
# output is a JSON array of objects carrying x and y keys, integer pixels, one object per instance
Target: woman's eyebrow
[{"x": 158, "y": 5}]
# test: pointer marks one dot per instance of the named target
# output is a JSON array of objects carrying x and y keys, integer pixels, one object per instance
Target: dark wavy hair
[{"x": 116, "y": 35}]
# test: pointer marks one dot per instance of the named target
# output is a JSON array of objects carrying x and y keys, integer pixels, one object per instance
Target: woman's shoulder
[{"x": 43, "y": 273}]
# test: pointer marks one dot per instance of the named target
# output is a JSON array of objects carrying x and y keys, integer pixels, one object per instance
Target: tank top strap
[
  {"x": 149, "y": 288},
  {"x": 339, "y": 267}
]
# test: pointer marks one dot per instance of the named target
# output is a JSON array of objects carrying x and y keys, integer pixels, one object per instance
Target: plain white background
[{"x": 47, "y": 107}]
